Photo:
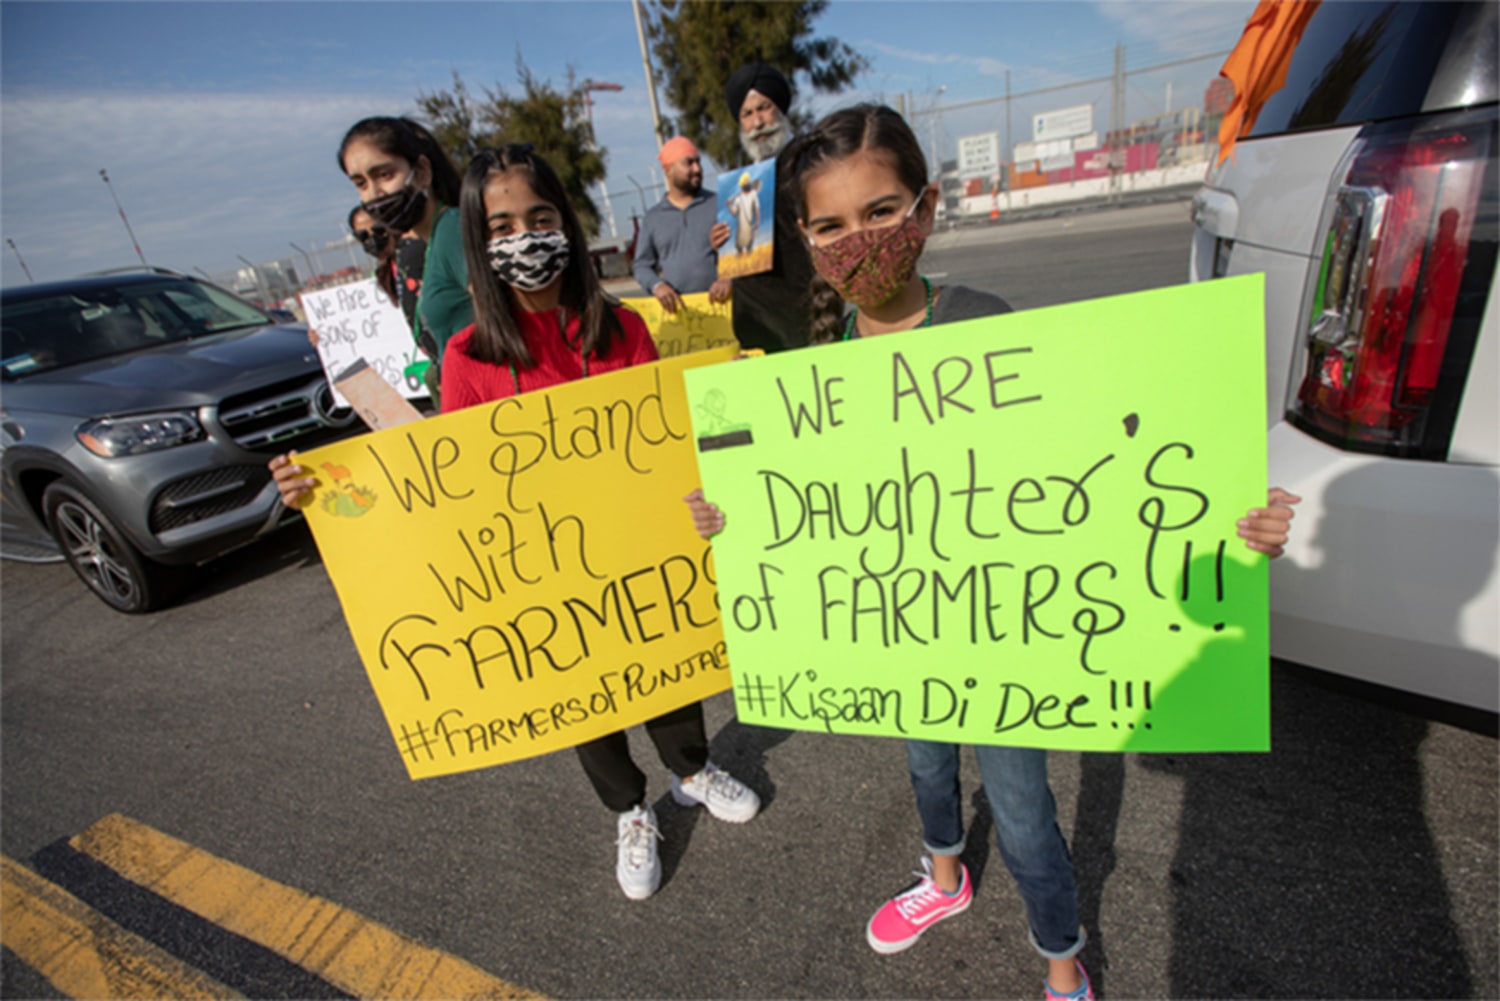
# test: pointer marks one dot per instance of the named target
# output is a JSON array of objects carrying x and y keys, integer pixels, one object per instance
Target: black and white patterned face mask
[{"x": 529, "y": 261}]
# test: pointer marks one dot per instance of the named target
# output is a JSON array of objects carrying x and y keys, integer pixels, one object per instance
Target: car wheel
[{"x": 117, "y": 573}]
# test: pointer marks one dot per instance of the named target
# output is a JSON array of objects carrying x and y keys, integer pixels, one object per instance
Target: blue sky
[{"x": 219, "y": 122}]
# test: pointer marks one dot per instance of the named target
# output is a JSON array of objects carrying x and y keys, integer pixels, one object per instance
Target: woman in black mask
[
  {"x": 380, "y": 243},
  {"x": 398, "y": 264},
  {"x": 407, "y": 183}
]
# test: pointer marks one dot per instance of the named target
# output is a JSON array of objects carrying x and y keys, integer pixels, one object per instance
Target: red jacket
[{"x": 467, "y": 382}]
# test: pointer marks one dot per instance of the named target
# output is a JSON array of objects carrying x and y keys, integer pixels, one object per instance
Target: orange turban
[{"x": 675, "y": 149}]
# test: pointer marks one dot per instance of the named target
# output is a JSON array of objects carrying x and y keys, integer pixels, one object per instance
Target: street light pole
[
  {"x": 937, "y": 162},
  {"x": 133, "y": 242},
  {"x": 21, "y": 259},
  {"x": 640, "y": 191},
  {"x": 312, "y": 272},
  {"x": 265, "y": 296}
]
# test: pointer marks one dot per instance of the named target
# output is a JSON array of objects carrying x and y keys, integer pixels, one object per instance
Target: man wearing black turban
[{"x": 770, "y": 308}]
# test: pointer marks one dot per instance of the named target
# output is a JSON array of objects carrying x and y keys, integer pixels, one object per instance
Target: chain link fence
[{"x": 1125, "y": 133}]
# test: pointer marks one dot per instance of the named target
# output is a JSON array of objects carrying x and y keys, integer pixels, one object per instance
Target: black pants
[{"x": 680, "y": 741}]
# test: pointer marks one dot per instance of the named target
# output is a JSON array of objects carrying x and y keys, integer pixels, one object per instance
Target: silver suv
[
  {"x": 1368, "y": 194},
  {"x": 138, "y": 413}
]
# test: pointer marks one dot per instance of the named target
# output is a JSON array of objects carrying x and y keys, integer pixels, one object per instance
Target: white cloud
[
  {"x": 206, "y": 178},
  {"x": 982, "y": 65},
  {"x": 202, "y": 177},
  {"x": 1178, "y": 27}
]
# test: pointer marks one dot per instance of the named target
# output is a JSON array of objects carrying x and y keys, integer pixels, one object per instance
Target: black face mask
[
  {"x": 374, "y": 240},
  {"x": 400, "y": 210}
]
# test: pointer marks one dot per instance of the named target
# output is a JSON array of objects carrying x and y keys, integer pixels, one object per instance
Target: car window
[
  {"x": 1360, "y": 62},
  {"x": 93, "y": 322},
  {"x": 209, "y": 308}
]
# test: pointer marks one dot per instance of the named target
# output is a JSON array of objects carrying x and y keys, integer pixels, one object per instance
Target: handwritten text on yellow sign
[{"x": 523, "y": 576}]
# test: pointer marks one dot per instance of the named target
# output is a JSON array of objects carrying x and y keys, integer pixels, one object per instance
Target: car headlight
[{"x": 116, "y": 436}]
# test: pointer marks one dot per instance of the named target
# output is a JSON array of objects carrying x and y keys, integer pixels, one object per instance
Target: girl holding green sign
[{"x": 866, "y": 208}]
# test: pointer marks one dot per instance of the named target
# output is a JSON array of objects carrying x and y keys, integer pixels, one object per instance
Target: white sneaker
[
  {"x": 638, "y": 869},
  {"x": 725, "y": 796}
]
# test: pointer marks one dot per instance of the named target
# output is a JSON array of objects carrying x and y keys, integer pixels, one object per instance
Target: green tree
[
  {"x": 698, "y": 43},
  {"x": 554, "y": 121}
]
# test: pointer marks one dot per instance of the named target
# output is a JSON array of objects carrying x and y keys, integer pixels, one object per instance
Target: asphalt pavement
[{"x": 1357, "y": 859}]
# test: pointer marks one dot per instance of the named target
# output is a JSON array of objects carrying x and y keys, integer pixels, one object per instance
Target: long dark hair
[
  {"x": 872, "y": 127},
  {"x": 410, "y": 141},
  {"x": 496, "y": 338}
]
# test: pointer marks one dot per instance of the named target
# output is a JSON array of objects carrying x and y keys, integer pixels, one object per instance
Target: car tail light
[{"x": 1408, "y": 258}]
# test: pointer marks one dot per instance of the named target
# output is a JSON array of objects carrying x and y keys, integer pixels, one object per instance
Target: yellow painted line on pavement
[
  {"x": 354, "y": 954},
  {"x": 82, "y": 952}
]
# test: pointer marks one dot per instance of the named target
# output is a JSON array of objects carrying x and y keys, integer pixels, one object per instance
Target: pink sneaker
[
  {"x": 902, "y": 919},
  {"x": 1085, "y": 990}
]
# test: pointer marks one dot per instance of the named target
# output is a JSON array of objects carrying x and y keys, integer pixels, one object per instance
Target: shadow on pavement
[
  {"x": 1257, "y": 911},
  {"x": 742, "y": 751},
  {"x": 292, "y": 546}
]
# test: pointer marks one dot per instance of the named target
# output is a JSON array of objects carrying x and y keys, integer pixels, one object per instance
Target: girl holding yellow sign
[
  {"x": 866, "y": 208},
  {"x": 542, "y": 319}
]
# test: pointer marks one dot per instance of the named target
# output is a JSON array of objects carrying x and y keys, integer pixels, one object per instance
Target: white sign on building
[
  {"x": 1064, "y": 123},
  {"x": 979, "y": 155},
  {"x": 1055, "y": 154}
]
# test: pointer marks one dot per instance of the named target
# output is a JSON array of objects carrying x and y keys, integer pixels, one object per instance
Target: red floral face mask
[{"x": 869, "y": 266}]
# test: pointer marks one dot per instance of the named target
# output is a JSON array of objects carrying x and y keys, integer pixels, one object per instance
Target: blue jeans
[{"x": 1015, "y": 781}]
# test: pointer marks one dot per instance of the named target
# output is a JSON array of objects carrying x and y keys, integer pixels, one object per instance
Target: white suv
[{"x": 1367, "y": 194}]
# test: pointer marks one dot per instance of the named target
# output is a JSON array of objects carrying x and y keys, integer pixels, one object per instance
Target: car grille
[
  {"x": 295, "y": 414},
  {"x": 203, "y": 495}
]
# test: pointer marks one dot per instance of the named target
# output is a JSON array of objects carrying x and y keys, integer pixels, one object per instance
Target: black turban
[{"x": 761, "y": 78}]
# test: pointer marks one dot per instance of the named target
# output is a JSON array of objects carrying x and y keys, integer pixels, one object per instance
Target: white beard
[{"x": 769, "y": 141}]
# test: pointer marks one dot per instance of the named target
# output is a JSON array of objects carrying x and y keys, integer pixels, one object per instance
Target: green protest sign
[{"x": 1016, "y": 530}]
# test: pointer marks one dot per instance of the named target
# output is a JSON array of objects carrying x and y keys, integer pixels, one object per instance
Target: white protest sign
[{"x": 358, "y": 321}]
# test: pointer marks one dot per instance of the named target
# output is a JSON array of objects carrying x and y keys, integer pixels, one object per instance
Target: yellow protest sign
[
  {"x": 523, "y": 576},
  {"x": 699, "y": 325}
]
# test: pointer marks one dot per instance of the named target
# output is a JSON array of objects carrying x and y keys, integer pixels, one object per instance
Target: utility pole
[
  {"x": 133, "y": 242},
  {"x": 640, "y": 33},
  {"x": 21, "y": 259}
]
